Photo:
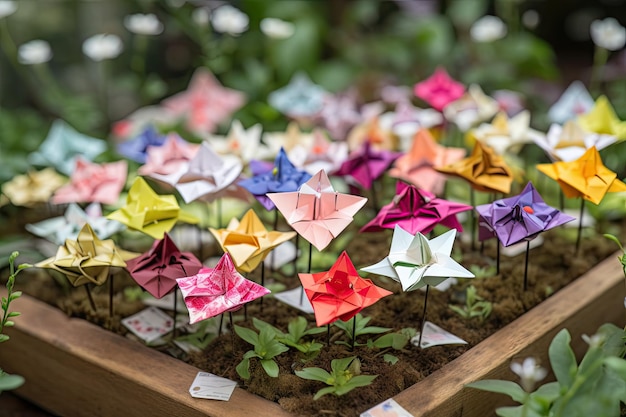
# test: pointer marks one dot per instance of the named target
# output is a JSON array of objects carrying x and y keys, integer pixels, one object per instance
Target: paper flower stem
[
  {"x": 232, "y": 331},
  {"x": 472, "y": 218},
  {"x": 419, "y": 342},
  {"x": 175, "y": 313},
  {"x": 219, "y": 331},
  {"x": 580, "y": 225},
  {"x": 497, "y": 256},
  {"x": 375, "y": 196},
  {"x": 353, "y": 333},
  {"x": 111, "y": 295},
  {"x": 308, "y": 270},
  {"x": 262, "y": 281},
  {"x": 328, "y": 334},
  {"x": 561, "y": 199},
  {"x": 93, "y": 305},
  {"x": 526, "y": 265}
]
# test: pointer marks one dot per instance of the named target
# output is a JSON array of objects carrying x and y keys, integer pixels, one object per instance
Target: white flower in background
[
  {"x": 529, "y": 372},
  {"x": 201, "y": 16},
  {"x": 103, "y": 46},
  {"x": 228, "y": 19},
  {"x": 531, "y": 19},
  {"x": 277, "y": 28},
  {"x": 143, "y": 24},
  {"x": 34, "y": 52},
  {"x": 595, "y": 341},
  {"x": 7, "y": 7},
  {"x": 488, "y": 29},
  {"x": 608, "y": 34}
]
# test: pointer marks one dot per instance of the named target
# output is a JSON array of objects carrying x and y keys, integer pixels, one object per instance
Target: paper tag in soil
[
  {"x": 389, "y": 408},
  {"x": 166, "y": 302},
  {"x": 149, "y": 324},
  {"x": 283, "y": 254},
  {"x": 212, "y": 387},
  {"x": 435, "y": 336},
  {"x": 520, "y": 248},
  {"x": 293, "y": 298}
]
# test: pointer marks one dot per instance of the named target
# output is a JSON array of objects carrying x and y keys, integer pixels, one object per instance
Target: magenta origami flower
[
  {"x": 439, "y": 89},
  {"x": 93, "y": 183}
]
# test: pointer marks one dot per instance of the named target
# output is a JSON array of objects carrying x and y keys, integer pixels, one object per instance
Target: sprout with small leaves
[{"x": 343, "y": 378}]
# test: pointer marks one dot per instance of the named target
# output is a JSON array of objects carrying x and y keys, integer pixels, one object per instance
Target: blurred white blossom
[
  {"x": 143, "y": 24},
  {"x": 7, "y": 7},
  {"x": 277, "y": 28},
  {"x": 201, "y": 16},
  {"x": 228, "y": 19},
  {"x": 531, "y": 19},
  {"x": 103, "y": 46},
  {"x": 594, "y": 341},
  {"x": 608, "y": 34},
  {"x": 529, "y": 372},
  {"x": 488, "y": 29},
  {"x": 34, "y": 52}
]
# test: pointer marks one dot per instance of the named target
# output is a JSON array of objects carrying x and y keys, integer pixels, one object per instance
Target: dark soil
[{"x": 552, "y": 266}]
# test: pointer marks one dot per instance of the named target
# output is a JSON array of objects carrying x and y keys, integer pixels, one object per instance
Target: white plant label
[{"x": 212, "y": 387}]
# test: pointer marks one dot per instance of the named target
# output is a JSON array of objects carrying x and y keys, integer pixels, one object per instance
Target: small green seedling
[
  {"x": 397, "y": 340},
  {"x": 297, "y": 331},
  {"x": 7, "y": 381},
  {"x": 475, "y": 306},
  {"x": 622, "y": 258},
  {"x": 266, "y": 348},
  {"x": 343, "y": 377},
  {"x": 360, "y": 328},
  {"x": 206, "y": 333}
]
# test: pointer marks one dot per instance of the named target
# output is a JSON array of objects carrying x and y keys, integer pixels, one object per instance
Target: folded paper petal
[
  {"x": 33, "y": 187},
  {"x": 366, "y": 164},
  {"x": 93, "y": 183}
]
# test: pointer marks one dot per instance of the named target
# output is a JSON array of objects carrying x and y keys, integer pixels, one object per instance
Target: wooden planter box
[{"x": 74, "y": 368}]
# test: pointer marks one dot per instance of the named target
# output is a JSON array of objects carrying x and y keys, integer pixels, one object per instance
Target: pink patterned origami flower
[
  {"x": 213, "y": 291},
  {"x": 93, "y": 183},
  {"x": 205, "y": 103},
  {"x": 439, "y": 89}
]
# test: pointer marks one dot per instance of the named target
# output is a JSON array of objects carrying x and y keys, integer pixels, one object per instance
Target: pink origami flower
[
  {"x": 205, "y": 103},
  {"x": 213, "y": 291},
  {"x": 93, "y": 183},
  {"x": 167, "y": 163},
  {"x": 439, "y": 89}
]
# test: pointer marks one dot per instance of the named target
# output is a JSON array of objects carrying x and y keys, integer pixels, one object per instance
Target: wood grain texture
[{"x": 74, "y": 368}]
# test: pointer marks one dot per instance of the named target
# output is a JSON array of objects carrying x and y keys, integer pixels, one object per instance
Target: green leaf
[
  {"x": 297, "y": 327},
  {"x": 15, "y": 295},
  {"x": 248, "y": 335},
  {"x": 10, "y": 382},
  {"x": 274, "y": 349},
  {"x": 509, "y": 388},
  {"x": 390, "y": 358},
  {"x": 243, "y": 369},
  {"x": 562, "y": 359},
  {"x": 271, "y": 367},
  {"x": 510, "y": 411},
  {"x": 14, "y": 314},
  {"x": 339, "y": 365},
  {"x": 4, "y": 337},
  {"x": 9, "y": 323},
  {"x": 23, "y": 266},
  {"x": 314, "y": 374},
  {"x": 548, "y": 392},
  {"x": 355, "y": 382},
  {"x": 324, "y": 391},
  {"x": 617, "y": 365}
]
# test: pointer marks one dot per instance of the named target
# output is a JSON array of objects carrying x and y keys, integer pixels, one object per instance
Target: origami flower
[
  {"x": 569, "y": 142},
  {"x": 93, "y": 183},
  {"x": 157, "y": 270},
  {"x": 283, "y": 178},
  {"x": 416, "y": 211},
  {"x": 418, "y": 165},
  {"x": 58, "y": 229},
  {"x": 365, "y": 165},
  {"x": 484, "y": 170},
  {"x": 518, "y": 218},
  {"x": 406, "y": 120},
  {"x": 63, "y": 145},
  {"x": 316, "y": 211},
  {"x": 87, "y": 259},
  {"x": 321, "y": 154},
  {"x": 340, "y": 293},
  {"x": 248, "y": 242},
  {"x": 240, "y": 142},
  {"x": 139, "y": 121},
  {"x": 574, "y": 101},
  {"x": 287, "y": 140},
  {"x": 205, "y": 104},
  {"x": 415, "y": 261},
  {"x": 168, "y": 162},
  {"x": 213, "y": 291},
  {"x": 472, "y": 108},
  {"x": 136, "y": 149},
  {"x": 504, "y": 134},
  {"x": 374, "y": 133},
  {"x": 339, "y": 114},
  {"x": 208, "y": 175},
  {"x": 602, "y": 119},
  {"x": 148, "y": 212},
  {"x": 439, "y": 89},
  {"x": 584, "y": 177},
  {"x": 32, "y": 187},
  {"x": 300, "y": 98}
]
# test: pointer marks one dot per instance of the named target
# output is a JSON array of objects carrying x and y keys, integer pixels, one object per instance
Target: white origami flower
[
  {"x": 143, "y": 24},
  {"x": 103, "y": 46},
  {"x": 504, "y": 134},
  {"x": 574, "y": 101},
  {"x": 7, "y": 7},
  {"x": 277, "y": 28},
  {"x": 529, "y": 372},
  {"x": 406, "y": 120},
  {"x": 569, "y": 142},
  {"x": 228, "y": 19},
  {"x": 241, "y": 142},
  {"x": 34, "y": 52},
  {"x": 415, "y": 261},
  {"x": 488, "y": 29},
  {"x": 608, "y": 34},
  {"x": 471, "y": 109}
]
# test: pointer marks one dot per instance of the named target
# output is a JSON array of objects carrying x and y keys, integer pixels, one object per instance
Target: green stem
[
  {"x": 525, "y": 405},
  {"x": 600, "y": 56},
  {"x": 578, "y": 382},
  {"x": 138, "y": 63}
]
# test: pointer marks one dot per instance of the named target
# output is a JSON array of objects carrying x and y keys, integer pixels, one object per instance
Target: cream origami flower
[
  {"x": 241, "y": 142},
  {"x": 471, "y": 109},
  {"x": 33, "y": 187},
  {"x": 570, "y": 141},
  {"x": 506, "y": 134},
  {"x": 288, "y": 139}
]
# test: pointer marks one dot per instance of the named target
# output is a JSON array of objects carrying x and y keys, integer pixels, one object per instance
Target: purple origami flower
[
  {"x": 365, "y": 164},
  {"x": 285, "y": 177},
  {"x": 136, "y": 149},
  {"x": 518, "y": 218}
]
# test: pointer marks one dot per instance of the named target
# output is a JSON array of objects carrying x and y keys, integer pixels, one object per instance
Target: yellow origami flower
[
  {"x": 149, "y": 212},
  {"x": 87, "y": 259},
  {"x": 33, "y": 187},
  {"x": 248, "y": 242},
  {"x": 603, "y": 120}
]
